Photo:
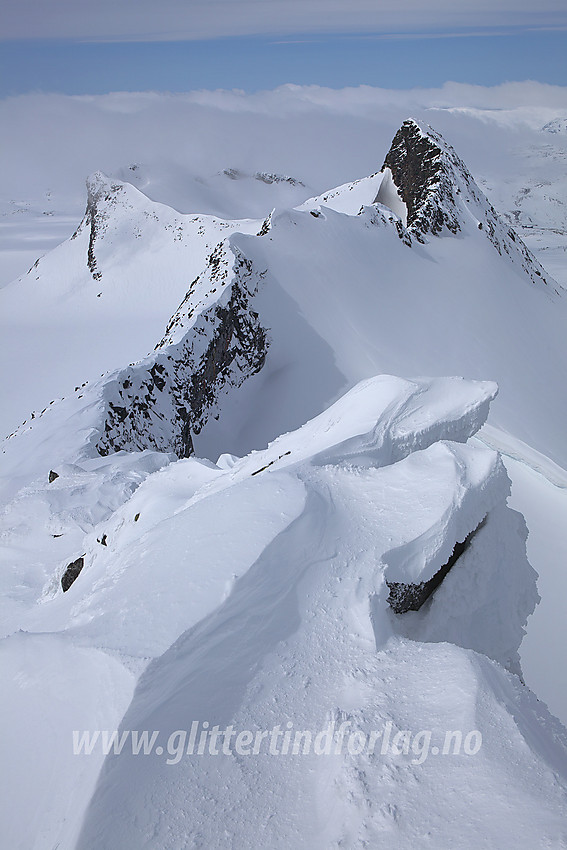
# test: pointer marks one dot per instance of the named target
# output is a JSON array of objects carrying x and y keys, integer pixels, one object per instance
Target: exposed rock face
[
  {"x": 71, "y": 573},
  {"x": 442, "y": 198},
  {"x": 101, "y": 197},
  {"x": 161, "y": 401},
  {"x": 423, "y": 181},
  {"x": 410, "y": 597}
]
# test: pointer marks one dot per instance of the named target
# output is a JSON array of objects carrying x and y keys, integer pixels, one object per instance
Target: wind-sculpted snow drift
[
  {"x": 305, "y": 638},
  {"x": 275, "y": 589},
  {"x": 260, "y": 588}
]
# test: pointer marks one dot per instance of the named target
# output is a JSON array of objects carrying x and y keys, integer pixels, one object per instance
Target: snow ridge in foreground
[{"x": 303, "y": 638}]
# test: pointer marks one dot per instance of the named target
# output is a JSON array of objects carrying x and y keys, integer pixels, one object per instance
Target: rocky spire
[{"x": 442, "y": 198}]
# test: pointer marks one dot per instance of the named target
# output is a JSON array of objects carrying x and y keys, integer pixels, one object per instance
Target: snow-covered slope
[
  {"x": 108, "y": 291},
  {"x": 305, "y": 641},
  {"x": 230, "y": 193},
  {"x": 533, "y": 196},
  {"x": 273, "y": 593},
  {"x": 338, "y": 575}
]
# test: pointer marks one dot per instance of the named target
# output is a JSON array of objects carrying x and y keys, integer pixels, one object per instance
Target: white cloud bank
[
  {"x": 324, "y": 136},
  {"x": 174, "y": 20}
]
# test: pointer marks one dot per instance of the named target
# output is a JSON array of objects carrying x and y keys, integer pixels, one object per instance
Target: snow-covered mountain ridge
[
  {"x": 445, "y": 199},
  {"x": 204, "y": 348},
  {"x": 433, "y": 192},
  {"x": 218, "y": 581}
]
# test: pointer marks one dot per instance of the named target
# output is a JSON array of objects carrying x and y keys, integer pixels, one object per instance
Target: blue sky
[
  {"x": 85, "y": 47},
  {"x": 253, "y": 63}
]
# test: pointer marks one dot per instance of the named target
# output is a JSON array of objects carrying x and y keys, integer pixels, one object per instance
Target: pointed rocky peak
[
  {"x": 430, "y": 188},
  {"x": 428, "y": 176}
]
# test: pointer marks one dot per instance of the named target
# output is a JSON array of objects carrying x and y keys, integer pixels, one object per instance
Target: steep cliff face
[
  {"x": 442, "y": 198},
  {"x": 424, "y": 181},
  {"x": 207, "y": 348}
]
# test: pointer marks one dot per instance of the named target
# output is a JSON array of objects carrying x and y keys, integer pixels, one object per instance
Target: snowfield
[
  {"x": 300, "y": 574},
  {"x": 254, "y": 594}
]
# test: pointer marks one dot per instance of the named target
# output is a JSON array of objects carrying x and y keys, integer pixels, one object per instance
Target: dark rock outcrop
[
  {"x": 423, "y": 181},
  {"x": 269, "y": 177},
  {"x": 442, "y": 197},
  {"x": 102, "y": 196},
  {"x": 162, "y": 401},
  {"x": 410, "y": 597},
  {"x": 71, "y": 573}
]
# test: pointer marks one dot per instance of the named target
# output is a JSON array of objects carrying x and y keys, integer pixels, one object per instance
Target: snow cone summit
[{"x": 258, "y": 520}]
